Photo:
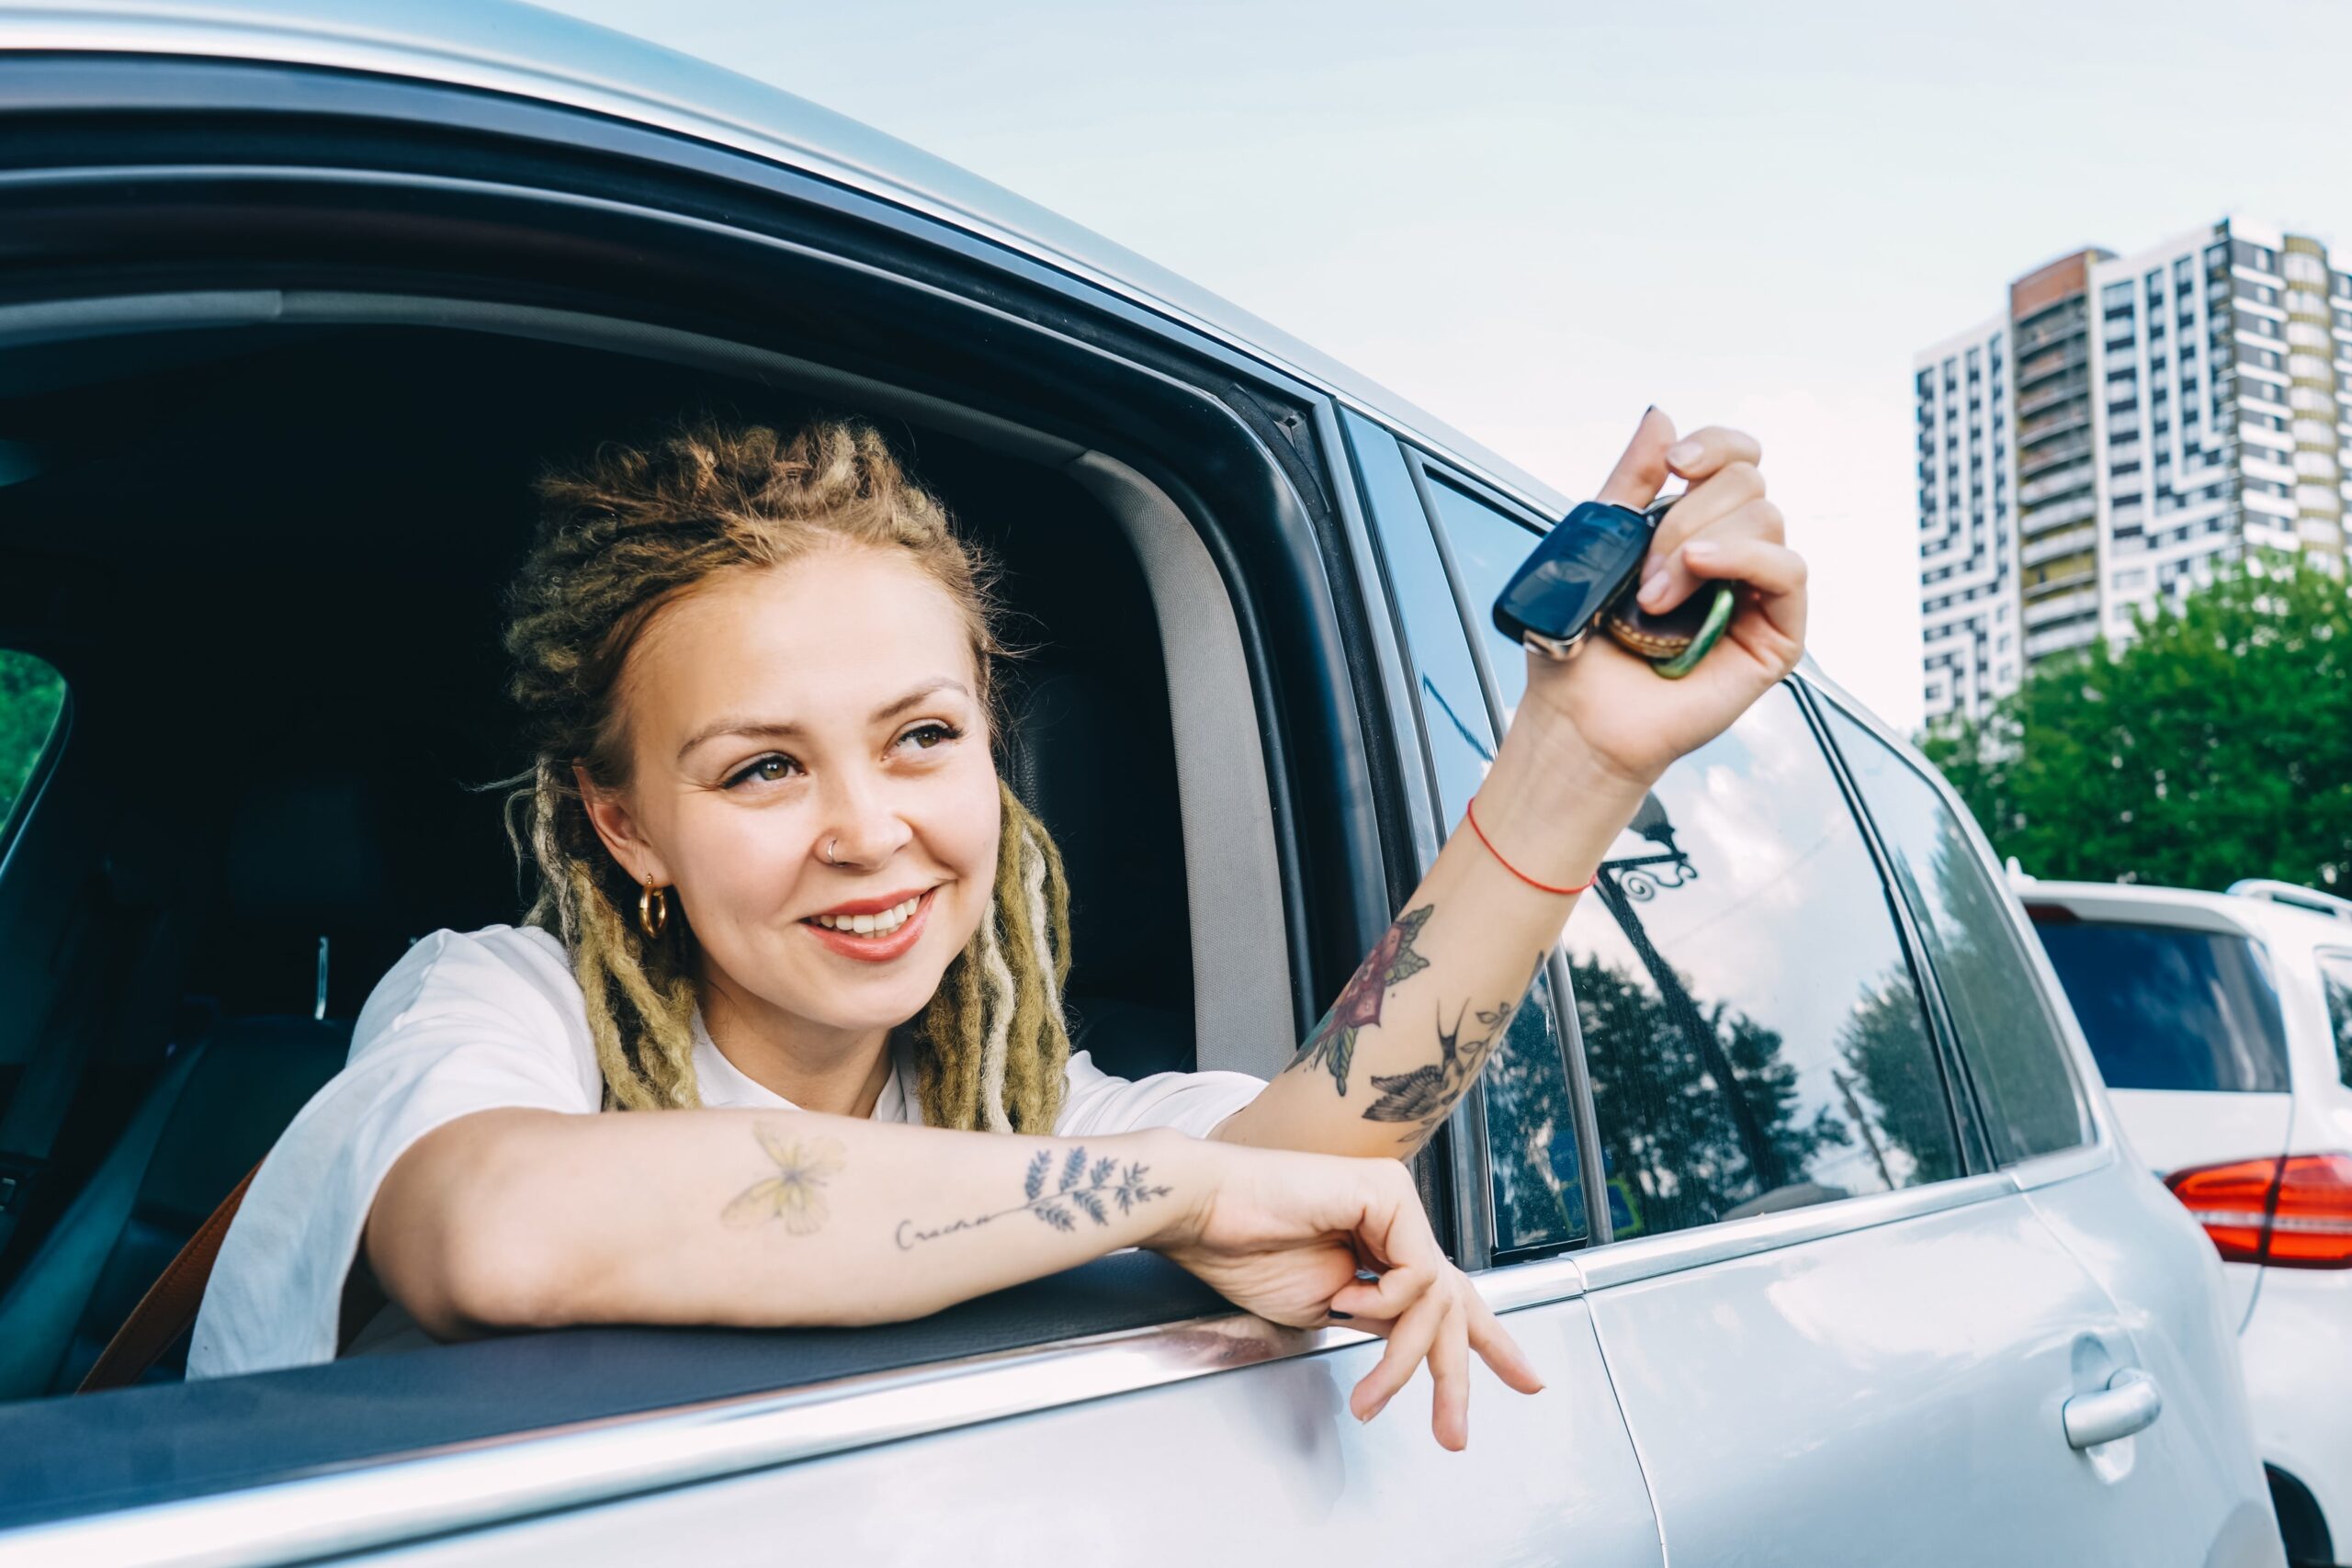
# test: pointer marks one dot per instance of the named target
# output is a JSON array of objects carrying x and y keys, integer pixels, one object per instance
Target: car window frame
[
  {"x": 1474, "y": 1151},
  {"x": 1250, "y": 395},
  {"x": 2035, "y": 1170}
]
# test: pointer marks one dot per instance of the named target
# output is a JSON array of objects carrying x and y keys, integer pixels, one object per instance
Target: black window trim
[
  {"x": 1426, "y": 470},
  {"x": 2035, "y": 1170},
  {"x": 1963, "y": 1104}
]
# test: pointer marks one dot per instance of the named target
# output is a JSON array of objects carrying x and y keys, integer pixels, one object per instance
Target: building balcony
[
  {"x": 2035, "y": 521},
  {"x": 2049, "y": 547},
  {"x": 2052, "y": 394},
  {"x": 2074, "y": 416},
  {"x": 2055, "y": 454},
  {"x": 2039, "y": 368},
  {"x": 2051, "y": 486}
]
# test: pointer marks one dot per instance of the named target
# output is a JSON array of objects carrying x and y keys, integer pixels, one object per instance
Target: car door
[
  {"x": 2192, "y": 1476},
  {"x": 1837, "y": 1335}
]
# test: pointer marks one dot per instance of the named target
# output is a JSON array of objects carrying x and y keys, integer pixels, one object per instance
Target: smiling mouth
[{"x": 879, "y": 924}]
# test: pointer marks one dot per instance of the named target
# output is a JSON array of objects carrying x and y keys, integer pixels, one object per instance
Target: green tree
[
  {"x": 2216, "y": 744},
  {"x": 30, "y": 694}
]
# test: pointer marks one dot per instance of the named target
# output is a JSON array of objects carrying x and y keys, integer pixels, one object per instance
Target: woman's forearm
[
  {"x": 527, "y": 1218},
  {"x": 1416, "y": 1022}
]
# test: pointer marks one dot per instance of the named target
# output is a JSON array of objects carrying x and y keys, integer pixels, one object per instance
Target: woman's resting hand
[{"x": 1284, "y": 1234}]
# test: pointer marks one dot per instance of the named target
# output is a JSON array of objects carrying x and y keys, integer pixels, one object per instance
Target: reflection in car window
[
  {"x": 2010, "y": 1036},
  {"x": 32, "y": 697},
  {"x": 2164, "y": 1006},
  {"x": 1755, "y": 1038},
  {"x": 2336, "y": 970},
  {"x": 1531, "y": 1132}
]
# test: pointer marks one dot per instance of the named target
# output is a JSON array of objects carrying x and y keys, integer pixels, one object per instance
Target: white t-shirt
[{"x": 469, "y": 1020}]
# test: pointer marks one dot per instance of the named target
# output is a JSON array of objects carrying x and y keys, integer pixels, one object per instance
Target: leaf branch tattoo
[
  {"x": 795, "y": 1193},
  {"x": 1424, "y": 1096},
  {"x": 1080, "y": 1188},
  {"x": 1333, "y": 1043}
]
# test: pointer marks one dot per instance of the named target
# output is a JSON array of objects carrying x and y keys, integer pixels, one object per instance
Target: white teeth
[{"x": 888, "y": 920}]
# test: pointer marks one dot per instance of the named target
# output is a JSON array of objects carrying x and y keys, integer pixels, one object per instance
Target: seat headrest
[
  {"x": 327, "y": 850},
  {"x": 1103, "y": 783}
]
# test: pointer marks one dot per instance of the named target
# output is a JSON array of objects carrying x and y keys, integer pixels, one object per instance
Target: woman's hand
[
  {"x": 1283, "y": 1234},
  {"x": 1610, "y": 704}
]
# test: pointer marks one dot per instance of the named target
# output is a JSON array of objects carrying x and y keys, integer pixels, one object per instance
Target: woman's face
[{"x": 830, "y": 702}]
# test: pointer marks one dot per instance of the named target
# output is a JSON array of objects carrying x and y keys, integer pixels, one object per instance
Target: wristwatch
[{"x": 1586, "y": 573}]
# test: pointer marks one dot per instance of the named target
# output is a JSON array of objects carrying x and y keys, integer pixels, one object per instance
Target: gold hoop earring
[{"x": 653, "y": 911}]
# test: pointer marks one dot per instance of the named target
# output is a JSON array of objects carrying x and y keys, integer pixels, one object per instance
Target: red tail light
[{"x": 2293, "y": 1211}]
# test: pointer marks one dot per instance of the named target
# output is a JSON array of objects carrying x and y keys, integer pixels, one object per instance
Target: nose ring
[{"x": 829, "y": 850}]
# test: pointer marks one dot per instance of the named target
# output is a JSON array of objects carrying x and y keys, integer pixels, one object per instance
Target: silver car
[{"x": 1795, "y": 1178}]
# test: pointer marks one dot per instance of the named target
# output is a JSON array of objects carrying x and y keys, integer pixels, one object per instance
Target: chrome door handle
[{"x": 2130, "y": 1402}]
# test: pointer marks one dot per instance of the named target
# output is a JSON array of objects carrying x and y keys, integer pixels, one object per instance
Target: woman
[{"x": 783, "y": 894}]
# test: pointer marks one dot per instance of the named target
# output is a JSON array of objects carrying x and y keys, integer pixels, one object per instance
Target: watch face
[{"x": 1573, "y": 573}]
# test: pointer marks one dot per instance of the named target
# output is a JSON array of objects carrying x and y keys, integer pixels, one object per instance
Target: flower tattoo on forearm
[{"x": 1333, "y": 1043}]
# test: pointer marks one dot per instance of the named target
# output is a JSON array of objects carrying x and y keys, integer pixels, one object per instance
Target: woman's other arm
[
  {"x": 1421, "y": 1016},
  {"x": 523, "y": 1218}
]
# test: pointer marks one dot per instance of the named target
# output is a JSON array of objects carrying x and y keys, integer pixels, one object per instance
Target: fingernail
[
  {"x": 1682, "y": 452},
  {"x": 1652, "y": 586},
  {"x": 1699, "y": 550}
]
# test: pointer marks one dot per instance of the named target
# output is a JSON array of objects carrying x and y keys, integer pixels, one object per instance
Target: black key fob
[{"x": 1583, "y": 575}]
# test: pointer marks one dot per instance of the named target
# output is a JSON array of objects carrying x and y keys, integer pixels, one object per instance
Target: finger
[
  {"x": 1639, "y": 474},
  {"x": 1707, "y": 451},
  {"x": 1668, "y": 577},
  {"x": 1450, "y": 1380},
  {"x": 1499, "y": 1350},
  {"x": 1390, "y": 1296},
  {"x": 1771, "y": 622},
  {"x": 1408, "y": 1343}
]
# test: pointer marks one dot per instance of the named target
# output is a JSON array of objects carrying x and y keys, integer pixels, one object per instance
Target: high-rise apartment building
[{"x": 2126, "y": 425}]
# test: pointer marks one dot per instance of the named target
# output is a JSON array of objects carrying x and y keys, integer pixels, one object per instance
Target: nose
[{"x": 860, "y": 827}]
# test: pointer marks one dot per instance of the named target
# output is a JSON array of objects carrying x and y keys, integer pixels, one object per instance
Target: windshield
[{"x": 2168, "y": 1008}]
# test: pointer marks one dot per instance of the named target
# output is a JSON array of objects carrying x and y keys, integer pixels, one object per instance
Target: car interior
[{"x": 268, "y": 562}]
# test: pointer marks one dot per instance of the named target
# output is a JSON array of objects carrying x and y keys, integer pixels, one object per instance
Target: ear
[{"x": 609, "y": 815}]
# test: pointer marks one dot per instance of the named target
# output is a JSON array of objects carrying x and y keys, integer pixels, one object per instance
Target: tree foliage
[
  {"x": 30, "y": 694},
  {"x": 2216, "y": 744}
]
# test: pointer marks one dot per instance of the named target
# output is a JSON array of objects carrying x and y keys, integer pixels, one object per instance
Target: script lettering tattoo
[
  {"x": 795, "y": 1193},
  {"x": 1425, "y": 1095},
  {"x": 1333, "y": 1043},
  {"x": 1080, "y": 1188}
]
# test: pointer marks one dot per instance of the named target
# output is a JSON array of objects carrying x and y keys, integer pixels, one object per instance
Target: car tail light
[{"x": 2291, "y": 1210}]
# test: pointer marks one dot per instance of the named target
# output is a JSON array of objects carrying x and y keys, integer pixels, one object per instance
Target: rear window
[
  {"x": 31, "y": 696},
  {"x": 2167, "y": 1008}
]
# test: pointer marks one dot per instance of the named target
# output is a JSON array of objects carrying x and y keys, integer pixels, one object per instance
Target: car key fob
[{"x": 1584, "y": 574}]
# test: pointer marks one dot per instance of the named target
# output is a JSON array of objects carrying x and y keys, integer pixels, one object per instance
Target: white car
[{"x": 2223, "y": 1023}]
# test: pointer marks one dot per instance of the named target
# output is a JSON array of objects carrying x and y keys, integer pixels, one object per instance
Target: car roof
[
  {"x": 2188, "y": 906},
  {"x": 522, "y": 50}
]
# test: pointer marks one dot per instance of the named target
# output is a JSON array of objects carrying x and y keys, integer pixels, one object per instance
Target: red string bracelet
[{"x": 1472, "y": 816}]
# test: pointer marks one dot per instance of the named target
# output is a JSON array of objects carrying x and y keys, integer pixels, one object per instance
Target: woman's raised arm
[{"x": 1420, "y": 1017}]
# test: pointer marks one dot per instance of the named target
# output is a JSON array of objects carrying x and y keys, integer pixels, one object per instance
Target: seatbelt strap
[{"x": 170, "y": 1303}]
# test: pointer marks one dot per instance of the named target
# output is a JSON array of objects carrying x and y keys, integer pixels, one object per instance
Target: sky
[{"x": 1533, "y": 219}]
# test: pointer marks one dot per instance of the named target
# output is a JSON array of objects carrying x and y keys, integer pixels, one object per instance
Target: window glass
[
  {"x": 1531, "y": 1129},
  {"x": 32, "y": 697},
  {"x": 2335, "y": 971},
  {"x": 2164, "y": 1006},
  {"x": 1755, "y": 1038},
  {"x": 2005, "y": 1024}
]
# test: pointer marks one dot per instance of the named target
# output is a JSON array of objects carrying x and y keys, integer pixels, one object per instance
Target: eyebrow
[{"x": 892, "y": 709}]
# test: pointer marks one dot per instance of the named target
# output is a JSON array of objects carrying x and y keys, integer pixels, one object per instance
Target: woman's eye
[
  {"x": 927, "y": 735},
  {"x": 765, "y": 770}
]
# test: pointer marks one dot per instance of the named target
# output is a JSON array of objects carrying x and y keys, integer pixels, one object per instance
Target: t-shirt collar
[{"x": 722, "y": 1083}]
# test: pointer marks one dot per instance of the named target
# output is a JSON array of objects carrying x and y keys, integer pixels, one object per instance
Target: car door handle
[{"x": 2129, "y": 1403}]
